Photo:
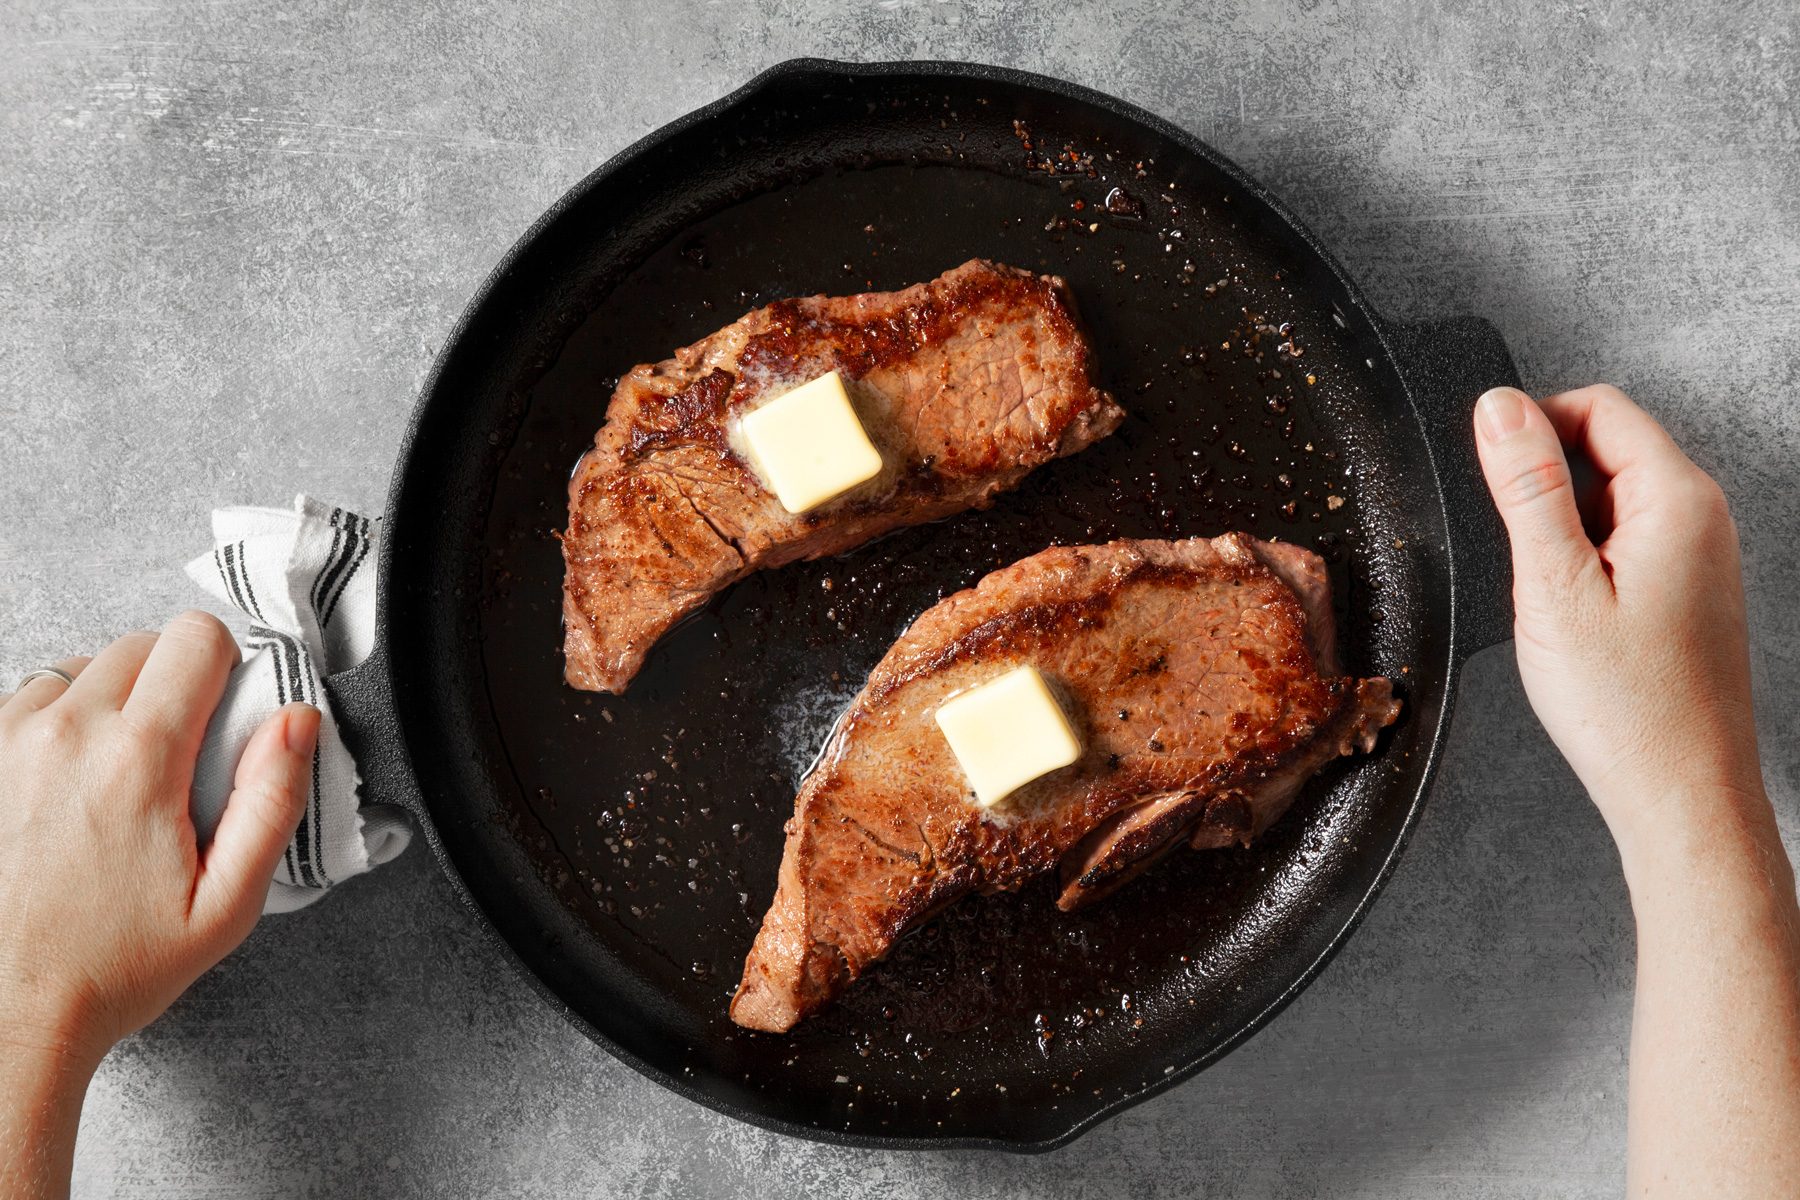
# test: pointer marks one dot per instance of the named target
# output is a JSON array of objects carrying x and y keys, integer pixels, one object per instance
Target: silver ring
[{"x": 46, "y": 673}]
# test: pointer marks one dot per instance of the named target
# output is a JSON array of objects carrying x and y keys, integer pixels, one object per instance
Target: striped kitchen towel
[{"x": 305, "y": 579}]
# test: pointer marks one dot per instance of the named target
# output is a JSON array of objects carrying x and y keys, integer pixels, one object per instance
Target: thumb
[
  {"x": 1529, "y": 477},
  {"x": 266, "y": 803}
]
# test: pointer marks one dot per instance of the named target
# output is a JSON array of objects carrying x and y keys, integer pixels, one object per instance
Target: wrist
[
  {"x": 1697, "y": 834},
  {"x": 42, "y": 1031},
  {"x": 36, "y": 1066},
  {"x": 1644, "y": 804},
  {"x": 42, "y": 1088}
]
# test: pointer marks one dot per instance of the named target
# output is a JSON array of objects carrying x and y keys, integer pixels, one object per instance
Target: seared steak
[
  {"x": 964, "y": 384},
  {"x": 1202, "y": 677}
]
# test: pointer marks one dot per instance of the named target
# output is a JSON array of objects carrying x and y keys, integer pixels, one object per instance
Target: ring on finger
[
  {"x": 30, "y": 697},
  {"x": 45, "y": 673}
]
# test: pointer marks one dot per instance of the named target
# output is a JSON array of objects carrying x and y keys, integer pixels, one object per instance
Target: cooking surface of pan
[{"x": 626, "y": 847}]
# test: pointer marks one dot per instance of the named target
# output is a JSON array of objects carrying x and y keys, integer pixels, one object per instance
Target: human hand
[
  {"x": 1636, "y": 658},
  {"x": 1634, "y": 652},
  {"x": 109, "y": 909}
]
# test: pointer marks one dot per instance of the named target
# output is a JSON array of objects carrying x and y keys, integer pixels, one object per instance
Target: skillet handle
[
  {"x": 362, "y": 700},
  {"x": 1446, "y": 365}
]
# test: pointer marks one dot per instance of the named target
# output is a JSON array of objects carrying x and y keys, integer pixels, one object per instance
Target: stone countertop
[{"x": 232, "y": 236}]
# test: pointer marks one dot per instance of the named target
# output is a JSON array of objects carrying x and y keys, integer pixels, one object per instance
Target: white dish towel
[{"x": 305, "y": 578}]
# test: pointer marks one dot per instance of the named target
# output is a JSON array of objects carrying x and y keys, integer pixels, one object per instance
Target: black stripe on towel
[
  {"x": 301, "y": 687},
  {"x": 262, "y": 639},
  {"x": 234, "y": 559},
  {"x": 291, "y": 684},
  {"x": 227, "y": 577},
  {"x": 363, "y": 542},
  {"x": 333, "y": 563}
]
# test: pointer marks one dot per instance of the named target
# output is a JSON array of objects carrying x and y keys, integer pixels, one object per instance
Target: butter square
[
  {"x": 1007, "y": 732},
  {"x": 808, "y": 445}
]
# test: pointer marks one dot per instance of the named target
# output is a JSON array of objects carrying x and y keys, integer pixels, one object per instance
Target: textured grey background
[{"x": 232, "y": 233}]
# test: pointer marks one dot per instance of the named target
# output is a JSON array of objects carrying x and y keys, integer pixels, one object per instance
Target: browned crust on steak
[
  {"x": 965, "y": 384},
  {"x": 1193, "y": 671}
]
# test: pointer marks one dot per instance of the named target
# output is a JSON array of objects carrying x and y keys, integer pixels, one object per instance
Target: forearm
[
  {"x": 1715, "y": 1047},
  {"x": 40, "y": 1108}
]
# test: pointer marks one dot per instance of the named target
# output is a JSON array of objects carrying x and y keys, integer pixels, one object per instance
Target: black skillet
[{"x": 623, "y": 848}]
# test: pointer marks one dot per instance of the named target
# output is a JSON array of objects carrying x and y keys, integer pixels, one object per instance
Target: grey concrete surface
[{"x": 232, "y": 233}]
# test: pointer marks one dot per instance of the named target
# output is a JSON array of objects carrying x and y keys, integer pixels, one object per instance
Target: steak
[
  {"x": 964, "y": 384},
  {"x": 1202, "y": 677}
]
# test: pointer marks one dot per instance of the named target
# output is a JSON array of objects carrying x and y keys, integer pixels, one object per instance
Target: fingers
[
  {"x": 1526, "y": 471},
  {"x": 183, "y": 677},
  {"x": 1653, "y": 491},
  {"x": 269, "y": 796},
  {"x": 1613, "y": 432},
  {"x": 108, "y": 679},
  {"x": 39, "y": 692}
]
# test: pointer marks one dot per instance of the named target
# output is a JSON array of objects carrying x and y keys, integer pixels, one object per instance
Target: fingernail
[
  {"x": 1500, "y": 413},
  {"x": 302, "y": 730}
]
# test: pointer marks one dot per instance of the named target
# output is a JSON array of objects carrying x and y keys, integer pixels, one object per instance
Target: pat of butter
[
  {"x": 1006, "y": 733},
  {"x": 808, "y": 445}
]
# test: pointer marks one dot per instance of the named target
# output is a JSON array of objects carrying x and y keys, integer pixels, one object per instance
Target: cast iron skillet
[{"x": 623, "y": 848}]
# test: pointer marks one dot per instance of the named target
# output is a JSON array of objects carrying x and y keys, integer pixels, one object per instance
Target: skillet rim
[{"x": 376, "y": 673}]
